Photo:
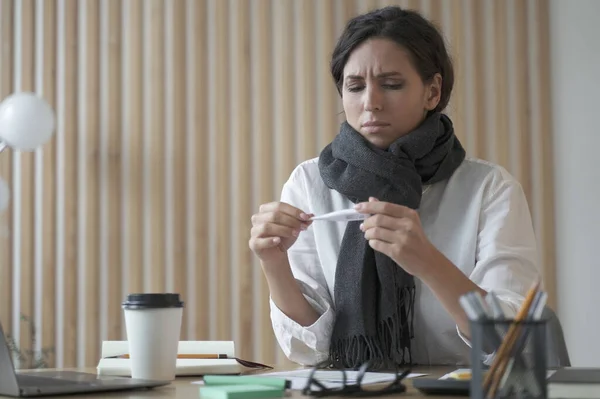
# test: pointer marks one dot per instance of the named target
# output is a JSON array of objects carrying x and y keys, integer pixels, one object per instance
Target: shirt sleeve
[
  {"x": 304, "y": 345},
  {"x": 506, "y": 259}
]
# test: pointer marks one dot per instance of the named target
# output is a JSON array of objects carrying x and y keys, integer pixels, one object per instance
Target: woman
[{"x": 441, "y": 224}]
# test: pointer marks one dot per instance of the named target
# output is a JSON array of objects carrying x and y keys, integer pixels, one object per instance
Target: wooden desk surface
[{"x": 182, "y": 388}]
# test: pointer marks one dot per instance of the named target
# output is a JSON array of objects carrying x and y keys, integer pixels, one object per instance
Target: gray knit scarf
[{"x": 374, "y": 297}]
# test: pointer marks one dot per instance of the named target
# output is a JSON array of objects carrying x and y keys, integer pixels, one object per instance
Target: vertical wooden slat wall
[{"x": 177, "y": 118}]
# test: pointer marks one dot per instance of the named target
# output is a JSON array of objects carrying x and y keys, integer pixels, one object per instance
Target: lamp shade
[{"x": 26, "y": 121}]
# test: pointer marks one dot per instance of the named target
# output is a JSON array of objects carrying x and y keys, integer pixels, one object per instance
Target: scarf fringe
[{"x": 388, "y": 349}]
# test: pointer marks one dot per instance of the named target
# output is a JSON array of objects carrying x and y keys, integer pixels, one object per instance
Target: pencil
[
  {"x": 501, "y": 360},
  {"x": 186, "y": 356}
]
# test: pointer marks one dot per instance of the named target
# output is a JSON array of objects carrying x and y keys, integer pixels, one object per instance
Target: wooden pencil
[{"x": 189, "y": 356}]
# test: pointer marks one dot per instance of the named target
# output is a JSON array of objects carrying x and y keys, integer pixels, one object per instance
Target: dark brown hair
[{"x": 408, "y": 29}]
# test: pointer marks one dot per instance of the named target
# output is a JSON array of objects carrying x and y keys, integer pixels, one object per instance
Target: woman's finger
[
  {"x": 284, "y": 208},
  {"x": 381, "y": 234},
  {"x": 408, "y": 226},
  {"x": 385, "y": 221},
  {"x": 273, "y": 230},
  {"x": 280, "y": 218},
  {"x": 386, "y": 208},
  {"x": 381, "y": 246},
  {"x": 258, "y": 244}
]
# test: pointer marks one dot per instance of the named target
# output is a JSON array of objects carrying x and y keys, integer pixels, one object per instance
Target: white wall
[{"x": 575, "y": 49}]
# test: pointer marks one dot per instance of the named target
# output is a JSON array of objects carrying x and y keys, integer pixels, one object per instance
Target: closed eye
[
  {"x": 396, "y": 86},
  {"x": 389, "y": 86},
  {"x": 355, "y": 88}
]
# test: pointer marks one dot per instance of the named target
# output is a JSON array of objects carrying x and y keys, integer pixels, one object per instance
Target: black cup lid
[{"x": 152, "y": 301}]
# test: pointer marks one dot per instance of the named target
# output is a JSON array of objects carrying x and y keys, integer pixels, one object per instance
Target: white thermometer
[{"x": 346, "y": 215}]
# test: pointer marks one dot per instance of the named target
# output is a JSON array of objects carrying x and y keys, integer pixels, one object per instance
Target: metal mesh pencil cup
[{"x": 508, "y": 359}]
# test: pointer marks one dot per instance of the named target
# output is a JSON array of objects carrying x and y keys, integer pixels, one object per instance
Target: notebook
[
  {"x": 112, "y": 364},
  {"x": 574, "y": 382}
]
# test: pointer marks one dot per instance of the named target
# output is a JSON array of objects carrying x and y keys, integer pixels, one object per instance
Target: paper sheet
[
  {"x": 455, "y": 372},
  {"x": 333, "y": 378},
  {"x": 464, "y": 370}
]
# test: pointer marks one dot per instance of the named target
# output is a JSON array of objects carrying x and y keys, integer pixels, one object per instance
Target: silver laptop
[{"x": 48, "y": 382}]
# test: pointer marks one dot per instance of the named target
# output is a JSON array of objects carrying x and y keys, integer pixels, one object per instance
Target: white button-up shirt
[{"x": 479, "y": 219}]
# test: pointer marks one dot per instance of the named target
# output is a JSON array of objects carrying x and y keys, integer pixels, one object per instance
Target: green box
[{"x": 254, "y": 391}]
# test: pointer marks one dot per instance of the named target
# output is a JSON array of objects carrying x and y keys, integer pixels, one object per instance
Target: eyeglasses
[{"x": 317, "y": 388}]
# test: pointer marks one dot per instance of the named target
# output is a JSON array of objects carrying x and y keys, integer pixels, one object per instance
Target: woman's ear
[{"x": 433, "y": 92}]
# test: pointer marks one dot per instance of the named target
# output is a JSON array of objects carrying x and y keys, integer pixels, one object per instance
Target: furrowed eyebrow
[{"x": 381, "y": 75}]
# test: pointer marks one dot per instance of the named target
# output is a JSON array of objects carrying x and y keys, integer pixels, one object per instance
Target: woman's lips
[{"x": 374, "y": 126}]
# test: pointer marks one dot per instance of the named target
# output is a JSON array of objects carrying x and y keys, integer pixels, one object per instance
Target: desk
[{"x": 182, "y": 388}]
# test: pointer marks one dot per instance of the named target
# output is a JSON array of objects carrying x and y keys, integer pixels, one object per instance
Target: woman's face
[{"x": 383, "y": 95}]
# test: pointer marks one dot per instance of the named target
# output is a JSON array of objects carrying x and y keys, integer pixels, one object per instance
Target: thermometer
[{"x": 346, "y": 215}]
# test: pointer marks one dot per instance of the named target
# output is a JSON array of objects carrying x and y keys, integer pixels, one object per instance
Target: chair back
[{"x": 557, "y": 353}]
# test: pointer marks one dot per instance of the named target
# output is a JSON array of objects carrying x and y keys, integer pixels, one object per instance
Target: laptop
[{"x": 48, "y": 382}]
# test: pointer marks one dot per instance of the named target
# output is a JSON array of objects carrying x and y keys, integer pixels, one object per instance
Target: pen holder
[{"x": 508, "y": 359}]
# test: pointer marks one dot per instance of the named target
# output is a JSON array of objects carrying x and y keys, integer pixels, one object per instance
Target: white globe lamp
[{"x": 26, "y": 122}]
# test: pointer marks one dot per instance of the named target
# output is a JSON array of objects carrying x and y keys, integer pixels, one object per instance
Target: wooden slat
[
  {"x": 38, "y": 192},
  {"x": 545, "y": 145},
  {"x": 221, "y": 172},
  {"x": 241, "y": 128},
  {"x": 104, "y": 221},
  {"x": 490, "y": 67},
  {"x": 70, "y": 185},
  {"x": 501, "y": 82},
  {"x": 49, "y": 196},
  {"x": 457, "y": 52},
  {"x": 413, "y": 4},
  {"x": 92, "y": 156},
  {"x": 264, "y": 164},
  {"x": 6, "y": 83},
  {"x": 285, "y": 72},
  {"x": 305, "y": 80},
  {"x": 113, "y": 176},
  {"x": 479, "y": 113},
  {"x": 155, "y": 136},
  {"x": 522, "y": 99},
  {"x": 26, "y": 197},
  {"x": 177, "y": 157},
  {"x": 326, "y": 91},
  {"x": 201, "y": 226},
  {"x": 363, "y": 5},
  {"x": 134, "y": 137},
  {"x": 345, "y": 10},
  {"x": 435, "y": 12}
]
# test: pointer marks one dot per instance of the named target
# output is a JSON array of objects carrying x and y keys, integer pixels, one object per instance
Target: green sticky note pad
[
  {"x": 214, "y": 380},
  {"x": 240, "y": 392}
]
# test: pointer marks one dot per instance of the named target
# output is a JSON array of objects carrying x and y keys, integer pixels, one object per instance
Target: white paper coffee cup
[{"x": 153, "y": 324}]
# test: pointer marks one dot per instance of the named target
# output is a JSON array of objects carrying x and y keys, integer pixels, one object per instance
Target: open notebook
[{"x": 112, "y": 364}]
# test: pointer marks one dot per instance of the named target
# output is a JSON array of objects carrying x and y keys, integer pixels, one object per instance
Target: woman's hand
[
  {"x": 275, "y": 228},
  {"x": 396, "y": 231}
]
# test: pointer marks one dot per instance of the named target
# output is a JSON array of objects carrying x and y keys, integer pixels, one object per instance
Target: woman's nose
[{"x": 373, "y": 100}]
